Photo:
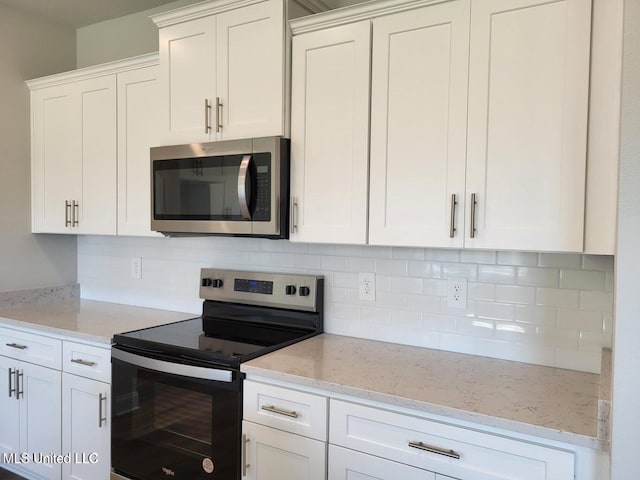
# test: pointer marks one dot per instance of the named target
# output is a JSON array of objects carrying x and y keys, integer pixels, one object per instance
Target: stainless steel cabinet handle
[
  {"x": 474, "y": 202},
  {"x": 76, "y": 207},
  {"x": 294, "y": 214},
  {"x": 16, "y": 345},
  {"x": 279, "y": 411},
  {"x": 243, "y": 198},
  {"x": 218, "y": 115},
  {"x": 19, "y": 385},
  {"x": 207, "y": 115},
  {"x": 452, "y": 226},
  {"x": 86, "y": 363},
  {"x": 432, "y": 449},
  {"x": 101, "y": 418},
  {"x": 12, "y": 389},
  {"x": 245, "y": 465},
  {"x": 67, "y": 213}
]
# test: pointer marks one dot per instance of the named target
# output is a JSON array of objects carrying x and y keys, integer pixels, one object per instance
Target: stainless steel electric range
[{"x": 177, "y": 388}]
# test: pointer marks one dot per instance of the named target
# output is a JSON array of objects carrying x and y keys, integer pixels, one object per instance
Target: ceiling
[{"x": 79, "y": 13}]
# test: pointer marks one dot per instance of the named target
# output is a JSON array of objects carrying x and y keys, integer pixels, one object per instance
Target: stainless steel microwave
[{"x": 235, "y": 187}]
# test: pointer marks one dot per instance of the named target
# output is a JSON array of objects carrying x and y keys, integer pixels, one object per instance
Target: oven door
[{"x": 174, "y": 420}]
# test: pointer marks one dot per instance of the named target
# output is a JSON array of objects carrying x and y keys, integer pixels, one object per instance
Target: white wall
[
  {"x": 29, "y": 47},
  {"x": 625, "y": 461},
  {"x": 549, "y": 309},
  {"x": 122, "y": 37}
]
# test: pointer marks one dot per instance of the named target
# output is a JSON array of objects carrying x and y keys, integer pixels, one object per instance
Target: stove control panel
[{"x": 281, "y": 290}]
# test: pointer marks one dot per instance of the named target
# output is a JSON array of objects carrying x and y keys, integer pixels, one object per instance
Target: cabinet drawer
[
  {"x": 289, "y": 410},
  {"x": 443, "y": 448},
  {"x": 350, "y": 465},
  {"x": 31, "y": 347},
  {"x": 87, "y": 361}
]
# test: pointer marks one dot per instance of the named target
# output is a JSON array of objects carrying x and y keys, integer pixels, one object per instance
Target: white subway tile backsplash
[
  {"x": 582, "y": 280},
  {"x": 596, "y": 301},
  {"x": 515, "y": 294},
  {"x": 478, "y": 256},
  {"x": 598, "y": 262},
  {"x": 549, "y": 309},
  {"x": 580, "y": 320},
  {"x": 525, "y": 259},
  {"x": 496, "y": 274},
  {"x": 536, "y": 314},
  {"x": 480, "y": 291},
  {"x": 557, "y": 298},
  {"x": 538, "y": 277},
  {"x": 406, "y": 285},
  {"x": 560, "y": 260}
]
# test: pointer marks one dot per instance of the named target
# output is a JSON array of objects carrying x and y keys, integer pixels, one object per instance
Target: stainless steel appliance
[
  {"x": 237, "y": 187},
  {"x": 177, "y": 388}
]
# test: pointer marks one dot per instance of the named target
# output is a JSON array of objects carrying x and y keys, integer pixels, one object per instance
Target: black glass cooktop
[{"x": 225, "y": 341}]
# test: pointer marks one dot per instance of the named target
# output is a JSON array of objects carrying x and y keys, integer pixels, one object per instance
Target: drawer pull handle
[
  {"x": 279, "y": 411},
  {"x": 432, "y": 449},
  {"x": 17, "y": 345},
  {"x": 86, "y": 363}
]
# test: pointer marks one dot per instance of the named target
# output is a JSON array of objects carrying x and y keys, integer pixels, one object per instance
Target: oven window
[
  {"x": 171, "y": 426},
  {"x": 207, "y": 188}
]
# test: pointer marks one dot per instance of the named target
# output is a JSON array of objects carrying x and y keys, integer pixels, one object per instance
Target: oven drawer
[
  {"x": 87, "y": 361},
  {"x": 31, "y": 347},
  {"x": 289, "y": 410},
  {"x": 443, "y": 448}
]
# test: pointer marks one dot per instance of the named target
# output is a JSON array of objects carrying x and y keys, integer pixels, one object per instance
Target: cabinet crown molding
[
  {"x": 101, "y": 70},
  {"x": 198, "y": 10},
  {"x": 351, "y": 14}
]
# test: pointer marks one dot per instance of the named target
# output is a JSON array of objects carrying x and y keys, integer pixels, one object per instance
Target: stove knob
[
  {"x": 290, "y": 290},
  {"x": 304, "y": 291},
  {"x": 217, "y": 283},
  {"x": 206, "y": 282}
]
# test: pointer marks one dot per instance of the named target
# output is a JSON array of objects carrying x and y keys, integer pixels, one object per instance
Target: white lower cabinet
[
  {"x": 347, "y": 464},
  {"x": 86, "y": 428},
  {"x": 30, "y": 414},
  {"x": 55, "y": 415},
  {"x": 285, "y": 437},
  {"x": 270, "y": 454}
]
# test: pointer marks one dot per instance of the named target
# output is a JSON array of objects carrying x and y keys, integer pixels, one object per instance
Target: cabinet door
[
  {"x": 97, "y": 205},
  {"x": 250, "y": 70},
  {"x": 187, "y": 80},
  {"x": 418, "y": 126},
  {"x": 56, "y": 172},
  {"x": 330, "y": 134},
  {"x": 347, "y": 464},
  {"x": 85, "y": 428},
  {"x": 138, "y": 128},
  {"x": 528, "y": 94},
  {"x": 40, "y": 417},
  {"x": 270, "y": 454},
  {"x": 9, "y": 409}
]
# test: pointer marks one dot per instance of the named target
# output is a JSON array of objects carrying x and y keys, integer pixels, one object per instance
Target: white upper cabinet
[
  {"x": 527, "y": 134},
  {"x": 137, "y": 130},
  {"x": 222, "y": 71},
  {"x": 90, "y": 135},
  {"x": 418, "y": 126},
  {"x": 330, "y": 134},
  {"x": 478, "y": 125},
  {"x": 74, "y": 157}
]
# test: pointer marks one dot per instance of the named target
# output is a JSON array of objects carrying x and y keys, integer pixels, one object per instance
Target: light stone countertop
[
  {"x": 86, "y": 320},
  {"x": 547, "y": 402}
]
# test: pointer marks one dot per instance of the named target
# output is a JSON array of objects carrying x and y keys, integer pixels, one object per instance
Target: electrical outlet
[
  {"x": 457, "y": 293},
  {"x": 136, "y": 267},
  {"x": 367, "y": 286}
]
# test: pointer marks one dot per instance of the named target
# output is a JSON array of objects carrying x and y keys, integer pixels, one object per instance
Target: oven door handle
[
  {"x": 243, "y": 197},
  {"x": 192, "y": 371}
]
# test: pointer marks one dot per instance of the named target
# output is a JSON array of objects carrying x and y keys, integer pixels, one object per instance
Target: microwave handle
[{"x": 242, "y": 187}]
